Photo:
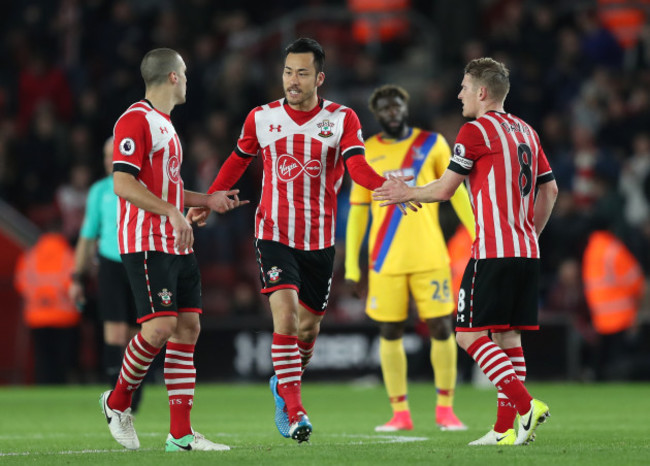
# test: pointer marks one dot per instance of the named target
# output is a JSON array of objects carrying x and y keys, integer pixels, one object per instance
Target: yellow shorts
[{"x": 388, "y": 295}]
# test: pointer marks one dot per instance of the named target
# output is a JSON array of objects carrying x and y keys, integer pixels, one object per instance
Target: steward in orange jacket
[
  {"x": 43, "y": 276},
  {"x": 460, "y": 251},
  {"x": 613, "y": 281},
  {"x": 379, "y": 20}
]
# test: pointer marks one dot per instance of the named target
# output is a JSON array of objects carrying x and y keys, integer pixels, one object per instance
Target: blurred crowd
[{"x": 580, "y": 76}]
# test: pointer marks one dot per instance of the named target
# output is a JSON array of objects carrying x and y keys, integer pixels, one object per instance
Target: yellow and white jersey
[{"x": 400, "y": 244}]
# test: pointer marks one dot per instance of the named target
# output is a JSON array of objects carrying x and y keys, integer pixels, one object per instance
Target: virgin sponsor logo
[{"x": 289, "y": 168}]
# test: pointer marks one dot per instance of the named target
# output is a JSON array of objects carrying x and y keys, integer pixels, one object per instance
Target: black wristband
[{"x": 77, "y": 277}]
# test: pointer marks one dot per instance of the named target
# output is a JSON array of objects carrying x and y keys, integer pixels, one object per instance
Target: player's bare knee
[
  {"x": 464, "y": 339},
  {"x": 188, "y": 332},
  {"x": 157, "y": 335},
  {"x": 308, "y": 332},
  {"x": 391, "y": 330},
  {"x": 439, "y": 328}
]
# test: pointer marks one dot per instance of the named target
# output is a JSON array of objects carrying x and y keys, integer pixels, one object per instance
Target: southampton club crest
[
  {"x": 325, "y": 128},
  {"x": 274, "y": 274},
  {"x": 165, "y": 297}
]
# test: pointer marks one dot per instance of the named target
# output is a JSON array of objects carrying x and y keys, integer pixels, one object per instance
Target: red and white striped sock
[
  {"x": 180, "y": 379},
  {"x": 494, "y": 363},
  {"x": 138, "y": 356},
  {"x": 288, "y": 369},
  {"x": 506, "y": 411},
  {"x": 306, "y": 352}
]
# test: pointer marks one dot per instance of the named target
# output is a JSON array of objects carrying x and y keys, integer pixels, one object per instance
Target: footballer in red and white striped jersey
[
  {"x": 147, "y": 146},
  {"x": 303, "y": 157},
  {"x": 505, "y": 162}
]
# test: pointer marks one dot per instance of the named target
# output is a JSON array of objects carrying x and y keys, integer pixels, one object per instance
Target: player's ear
[
  {"x": 320, "y": 79},
  {"x": 173, "y": 77},
  {"x": 482, "y": 93}
]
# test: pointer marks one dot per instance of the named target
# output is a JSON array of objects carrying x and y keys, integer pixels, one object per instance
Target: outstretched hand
[
  {"x": 396, "y": 191},
  {"x": 224, "y": 201},
  {"x": 219, "y": 201}
]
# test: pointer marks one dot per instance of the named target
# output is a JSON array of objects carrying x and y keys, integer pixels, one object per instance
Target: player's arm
[
  {"x": 129, "y": 188},
  {"x": 219, "y": 201},
  {"x": 463, "y": 208},
  {"x": 441, "y": 156},
  {"x": 396, "y": 191},
  {"x": 231, "y": 171},
  {"x": 355, "y": 231},
  {"x": 442, "y": 189},
  {"x": 84, "y": 250},
  {"x": 360, "y": 172},
  {"x": 544, "y": 201},
  {"x": 86, "y": 244},
  {"x": 353, "y": 150}
]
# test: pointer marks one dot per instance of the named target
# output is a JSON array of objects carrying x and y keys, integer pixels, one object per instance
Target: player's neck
[
  {"x": 306, "y": 106},
  {"x": 161, "y": 101},
  {"x": 490, "y": 107}
]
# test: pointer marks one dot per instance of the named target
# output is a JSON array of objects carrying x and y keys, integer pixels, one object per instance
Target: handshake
[
  {"x": 219, "y": 201},
  {"x": 396, "y": 191}
]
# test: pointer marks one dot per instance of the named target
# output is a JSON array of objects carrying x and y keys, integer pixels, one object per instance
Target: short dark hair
[
  {"x": 492, "y": 74},
  {"x": 157, "y": 64},
  {"x": 307, "y": 45},
  {"x": 387, "y": 90}
]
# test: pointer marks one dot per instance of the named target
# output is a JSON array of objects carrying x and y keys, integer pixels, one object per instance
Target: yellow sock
[
  {"x": 393, "y": 367},
  {"x": 444, "y": 354}
]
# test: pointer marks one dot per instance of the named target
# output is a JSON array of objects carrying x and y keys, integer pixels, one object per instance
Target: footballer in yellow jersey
[{"x": 407, "y": 255}]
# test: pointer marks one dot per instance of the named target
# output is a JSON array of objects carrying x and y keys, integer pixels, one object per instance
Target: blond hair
[{"x": 492, "y": 74}]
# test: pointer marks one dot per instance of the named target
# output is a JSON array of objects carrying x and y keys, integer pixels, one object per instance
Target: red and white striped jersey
[
  {"x": 146, "y": 145},
  {"x": 505, "y": 162},
  {"x": 303, "y": 164}
]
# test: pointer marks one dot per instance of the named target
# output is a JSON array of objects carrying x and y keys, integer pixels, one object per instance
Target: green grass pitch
[{"x": 595, "y": 424}]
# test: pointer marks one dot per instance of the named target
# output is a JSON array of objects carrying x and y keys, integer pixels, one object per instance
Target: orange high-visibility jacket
[
  {"x": 460, "y": 251},
  {"x": 387, "y": 20},
  {"x": 613, "y": 281},
  {"x": 43, "y": 277},
  {"x": 624, "y": 19}
]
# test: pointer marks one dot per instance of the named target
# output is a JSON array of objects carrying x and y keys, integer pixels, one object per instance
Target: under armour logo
[
  {"x": 277, "y": 128},
  {"x": 289, "y": 168},
  {"x": 460, "y": 318},
  {"x": 163, "y": 130}
]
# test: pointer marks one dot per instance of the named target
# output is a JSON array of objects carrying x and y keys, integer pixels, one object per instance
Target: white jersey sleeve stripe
[{"x": 485, "y": 136}]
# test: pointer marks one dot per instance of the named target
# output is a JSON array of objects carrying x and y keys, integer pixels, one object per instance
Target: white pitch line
[
  {"x": 69, "y": 452},
  {"x": 364, "y": 440},
  {"x": 383, "y": 439}
]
